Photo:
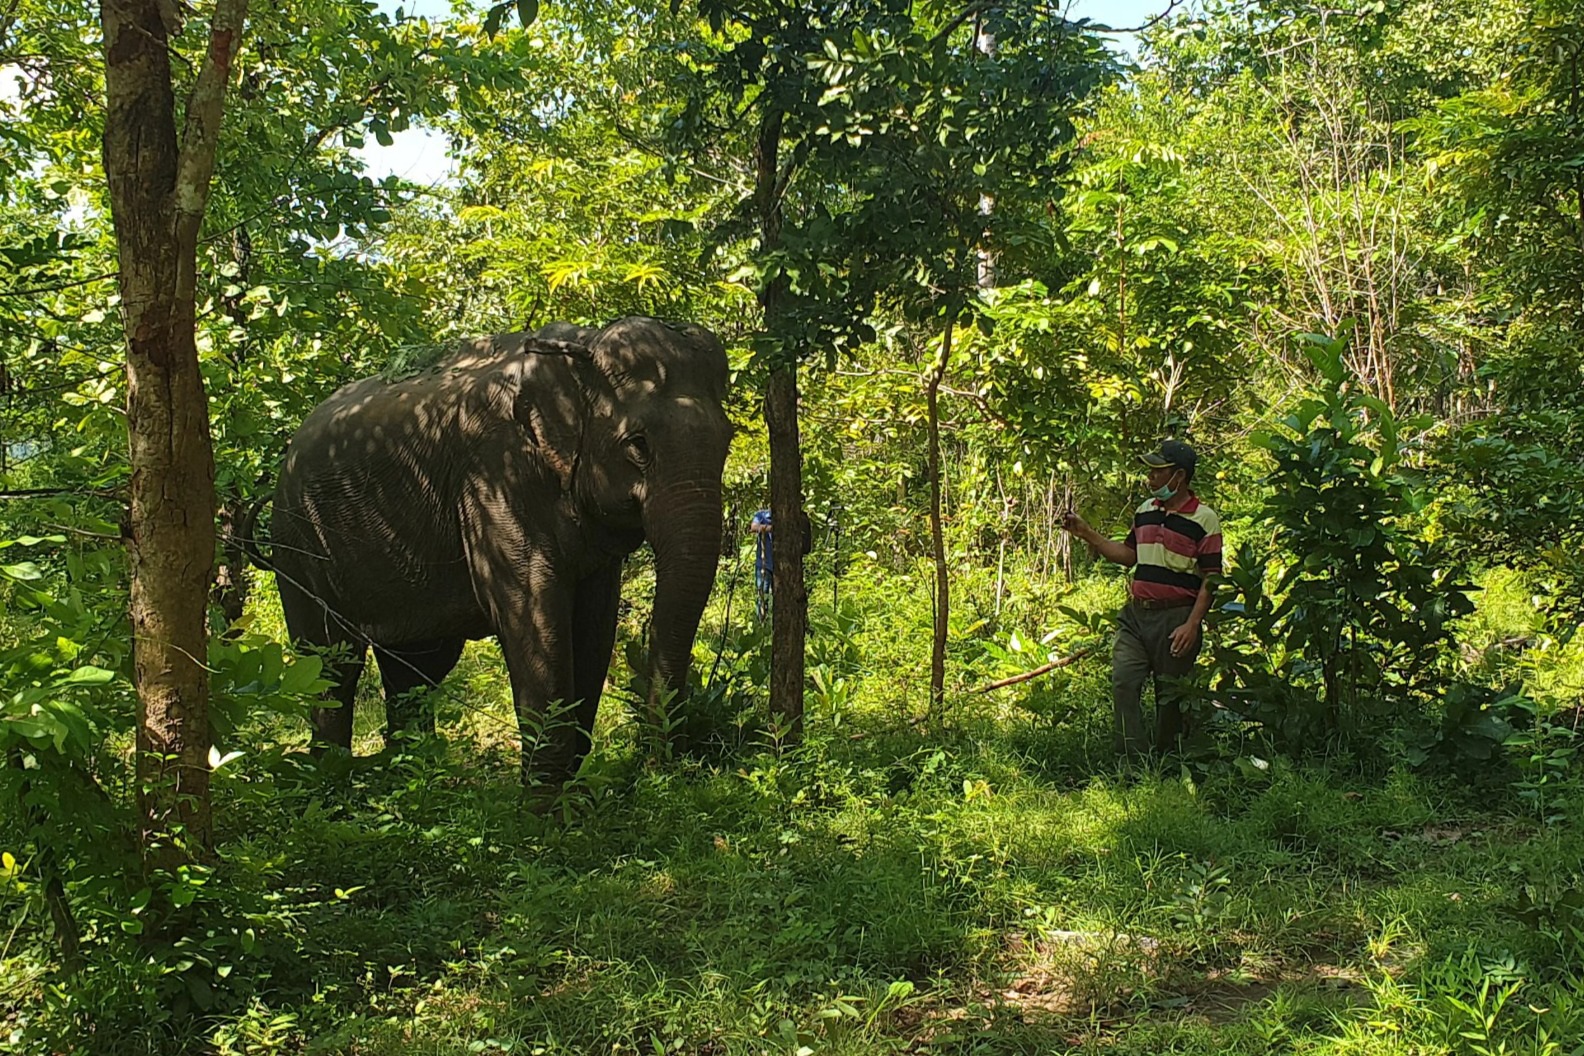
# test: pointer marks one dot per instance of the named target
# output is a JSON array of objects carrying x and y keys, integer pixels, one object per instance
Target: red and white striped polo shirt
[{"x": 1176, "y": 550}]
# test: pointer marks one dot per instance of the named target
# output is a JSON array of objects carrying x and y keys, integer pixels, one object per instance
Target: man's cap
[{"x": 1172, "y": 453}]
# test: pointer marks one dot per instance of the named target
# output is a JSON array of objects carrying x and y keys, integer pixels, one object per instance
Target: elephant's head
[{"x": 653, "y": 458}]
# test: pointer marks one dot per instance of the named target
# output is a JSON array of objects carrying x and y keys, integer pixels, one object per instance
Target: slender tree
[
  {"x": 158, "y": 181},
  {"x": 813, "y": 300},
  {"x": 789, "y": 615},
  {"x": 883, "y": 138}
]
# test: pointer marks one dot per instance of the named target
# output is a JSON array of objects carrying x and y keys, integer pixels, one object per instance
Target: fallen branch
[{"x": 1038, "y": 671}]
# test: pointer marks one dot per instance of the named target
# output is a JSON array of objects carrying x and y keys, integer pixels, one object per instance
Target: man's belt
[{"x": 1158, "y": 603}]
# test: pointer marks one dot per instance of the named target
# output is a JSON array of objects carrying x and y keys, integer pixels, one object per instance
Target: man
[
  {"x": 763, "y": 562},
  {"x": 1174, "y": 548},
  {"x": 764, "y": 551}
]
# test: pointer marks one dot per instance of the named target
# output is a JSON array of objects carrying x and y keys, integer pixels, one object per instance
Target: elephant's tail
[{"x": 246, "y": 530}]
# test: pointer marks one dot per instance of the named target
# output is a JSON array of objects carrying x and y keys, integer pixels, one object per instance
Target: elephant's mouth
[{"x": 622, "y": 540}]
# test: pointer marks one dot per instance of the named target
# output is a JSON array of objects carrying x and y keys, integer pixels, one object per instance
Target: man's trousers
[{"x": 1143, "y": 653}]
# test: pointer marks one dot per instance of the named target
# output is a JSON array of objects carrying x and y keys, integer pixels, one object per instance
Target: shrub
[{"x": 1335, "y": 627}]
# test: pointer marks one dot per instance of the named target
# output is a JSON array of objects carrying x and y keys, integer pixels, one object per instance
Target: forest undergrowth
[{"x": 986, "y": 880}]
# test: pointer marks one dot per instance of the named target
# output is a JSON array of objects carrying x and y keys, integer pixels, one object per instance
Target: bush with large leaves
[{"x": 1335, "y": 627}]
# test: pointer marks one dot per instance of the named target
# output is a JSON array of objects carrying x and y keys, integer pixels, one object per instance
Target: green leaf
[
  {"x": 1326, "y": 355},
  {"x": 31, "y": 540},
  {"x": 88, "y": 675},
  {"x": 527, "y": 11},
  {"x": 302, "y": 676},
  {"x": 25, "y": 571}
]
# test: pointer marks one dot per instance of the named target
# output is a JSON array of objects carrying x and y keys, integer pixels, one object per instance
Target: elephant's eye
[{"x": 637, "y": 449}]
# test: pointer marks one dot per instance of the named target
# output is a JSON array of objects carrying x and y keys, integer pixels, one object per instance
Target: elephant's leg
[
  {"x": 314, "y": 627},
  {"x": 408, "y": 673},
  {"x": 531, "y": 609},
  {"x": 537, "y": 643},
  {"x": 593, "y": 638}
]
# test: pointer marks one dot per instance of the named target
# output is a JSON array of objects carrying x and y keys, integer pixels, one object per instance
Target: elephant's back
[{"x": 366, "y": 504}]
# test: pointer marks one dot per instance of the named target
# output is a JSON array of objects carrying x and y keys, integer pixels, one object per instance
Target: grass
[
  {"x": 985, "y": 881},
  {"x": 855, "y": 904}
]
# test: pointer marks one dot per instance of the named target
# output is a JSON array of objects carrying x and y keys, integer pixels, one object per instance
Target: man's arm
[
  {"x": 1112, "y": 550},
  {"x": 1184, "y": 637}
]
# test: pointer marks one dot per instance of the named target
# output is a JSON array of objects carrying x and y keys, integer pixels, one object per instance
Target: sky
[
  {"x": 419, "y": 155},
  {"x": 415, "y": 154}
]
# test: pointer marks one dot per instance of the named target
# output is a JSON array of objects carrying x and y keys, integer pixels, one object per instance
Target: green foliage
[
  {"x": 1546, "y": 749},
  {"x": 1509, "y": 152},
  {"x": 1339, "y": 628},
  {"x": 974, "y": 878},
  {"x": 64, "y": 697},
  {"x": 250, "y": 675},
  {"x": 900, "y": 111},
  {"x": 565, "y": 206},
  {"x": 1513, "y": 479},
  {"x": 855, "y": 894},
  {"x": 50, "y": 676}
]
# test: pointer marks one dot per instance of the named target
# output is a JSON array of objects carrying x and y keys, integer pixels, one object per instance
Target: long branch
[
  {"x": 971, "y": 11},
  {"x": 201, "y": 132},
  {"x": 34, "y": 290},
  {"x": 1043, "y": 669},
  {"x": 942, "y": 599},
  {"x": 56, "y": 493},
  {"x": 1148, "y": 23}
]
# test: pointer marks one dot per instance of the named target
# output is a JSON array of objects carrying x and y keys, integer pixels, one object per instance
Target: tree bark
[
  {"x": 159, "y": 187},
  {"x": 232, "y": 580},
  {"x": 942, "y": 604},
  {"x": 788, "y": 591}
]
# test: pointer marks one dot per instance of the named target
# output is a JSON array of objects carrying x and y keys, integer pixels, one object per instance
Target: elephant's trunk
[{"x": 685, "y": 530}]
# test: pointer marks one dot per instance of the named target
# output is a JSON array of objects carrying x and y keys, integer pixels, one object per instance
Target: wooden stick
[{"x": 1038, "y": 671}]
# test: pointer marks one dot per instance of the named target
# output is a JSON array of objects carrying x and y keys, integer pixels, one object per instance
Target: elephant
[{"x": 498, "y": 493}]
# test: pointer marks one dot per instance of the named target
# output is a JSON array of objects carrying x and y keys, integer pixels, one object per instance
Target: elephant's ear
[{"x": 551, "y": 408}]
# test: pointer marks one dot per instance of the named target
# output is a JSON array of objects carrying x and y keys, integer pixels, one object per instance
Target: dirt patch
[
  {"x": 1068, "y": 973},
  {"x": 1077, "y": 982},
  {"x": 1113, "y": 975},
  {"x": 1222, "y": 997},
  {"x": 1442, "y": 834}
]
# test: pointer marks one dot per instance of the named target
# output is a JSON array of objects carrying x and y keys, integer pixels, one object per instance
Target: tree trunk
[
  {"x": 788, "y": 591},
  {"x": 233, "y": 581},
  {"x": 159, "y": 187},
  {"x": 937, "y": 534},
  {"x": 789, "y": 594}
]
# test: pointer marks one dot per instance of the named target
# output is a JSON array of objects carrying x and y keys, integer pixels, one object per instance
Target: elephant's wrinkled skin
[{"x": 497, "y": 494}]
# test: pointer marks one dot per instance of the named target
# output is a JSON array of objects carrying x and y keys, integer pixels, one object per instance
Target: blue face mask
[{"x": 1164, "y": 494}]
